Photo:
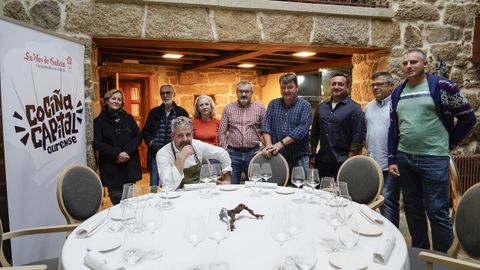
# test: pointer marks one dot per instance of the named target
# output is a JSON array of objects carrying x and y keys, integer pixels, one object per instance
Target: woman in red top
[{"x": 205, "y": 125}]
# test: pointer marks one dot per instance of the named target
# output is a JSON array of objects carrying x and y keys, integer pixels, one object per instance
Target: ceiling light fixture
[
  {"x": 172, "y": 55},
  {"x": 130, "y": 61},
  {"x": 304, "y": 54},
  {"x": 245, "y": 65}
]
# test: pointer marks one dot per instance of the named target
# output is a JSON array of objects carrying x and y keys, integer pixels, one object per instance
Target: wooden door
[{"x": 134, "y": 95}]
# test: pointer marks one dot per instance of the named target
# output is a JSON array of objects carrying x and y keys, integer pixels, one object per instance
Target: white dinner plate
[
  {"x": 228, "y": 187},
  {"x": 171, "y": 195},
  {"x": 348, "y": 259},
  {"x": 369, "y": 229},
  {"x": 104, "y": 244},
  {"x": 285, "y": 190}
]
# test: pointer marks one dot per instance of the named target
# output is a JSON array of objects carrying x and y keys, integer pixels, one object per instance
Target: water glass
[
  {"x": 347, "y": 233},
  {"x": 294, "y": 219},
  {"x": 132, "y": 250},
  {"x": 114, "y": 223},
  {"x": 305, "y": 255},
  {"x": 343, "y": 189}
]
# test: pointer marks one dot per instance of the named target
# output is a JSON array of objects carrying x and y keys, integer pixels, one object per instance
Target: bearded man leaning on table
[{"x": 182, "y": 158}]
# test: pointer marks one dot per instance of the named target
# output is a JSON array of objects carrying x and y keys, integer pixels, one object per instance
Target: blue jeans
[
  {"x": 391, "y": 193},
  {"x": 425, "y": 185},
  {"x": 240, "y": 161},
  {"x": 154, "y": 177}
]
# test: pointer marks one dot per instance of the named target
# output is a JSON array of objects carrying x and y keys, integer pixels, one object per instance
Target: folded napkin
[
  {"x": 197, "y": 186},
  {"x": 91, "y": 228},
  {"x": 384, "y": 248},
  {"x": 261, "y": 184},
  {"x": 98, "y": 261}
]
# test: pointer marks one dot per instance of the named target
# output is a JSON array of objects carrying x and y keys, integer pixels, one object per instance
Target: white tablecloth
[{"x": 250, "y": 246}]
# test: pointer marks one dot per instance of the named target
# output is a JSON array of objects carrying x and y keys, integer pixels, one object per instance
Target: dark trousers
[
  {"x": 327, "y": 169},
  {"x": 115, "y": 194}
]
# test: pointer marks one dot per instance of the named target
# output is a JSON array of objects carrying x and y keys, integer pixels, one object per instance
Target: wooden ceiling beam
[
  {"x": 211, "y": 53},
  {"x": 160, "y": 62},
  {"x": 101, "y": 42},
  {"x": 341, "y": 62},
  {"x": 227, "y": 59}
]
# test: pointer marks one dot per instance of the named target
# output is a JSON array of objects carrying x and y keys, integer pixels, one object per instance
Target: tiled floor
[{"x": 403, "y": 223}]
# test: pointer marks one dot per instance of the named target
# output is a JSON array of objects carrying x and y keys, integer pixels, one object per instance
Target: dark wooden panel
[{"x": 476, "y": 42}]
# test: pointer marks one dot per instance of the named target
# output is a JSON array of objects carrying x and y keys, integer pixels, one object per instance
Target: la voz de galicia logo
[{"x": 52, "y": 125}]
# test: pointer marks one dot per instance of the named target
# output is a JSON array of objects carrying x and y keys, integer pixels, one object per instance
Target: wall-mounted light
[
  {"x": 172, "y": 55},
  {"x": 246, "y": 65},
  {"x": 304, "y": 54}
]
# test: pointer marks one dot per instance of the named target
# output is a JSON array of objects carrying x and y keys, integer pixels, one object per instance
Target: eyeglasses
[
  {"x": 167, "y": 93},
  {"x": 380, "y": 84}
]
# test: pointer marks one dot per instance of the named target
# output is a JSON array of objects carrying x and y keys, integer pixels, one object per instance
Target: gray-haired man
[{"x": 181, "y": 159}]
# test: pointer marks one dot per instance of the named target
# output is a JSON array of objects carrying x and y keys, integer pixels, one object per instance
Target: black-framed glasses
[{"x": 379, "y": 84}]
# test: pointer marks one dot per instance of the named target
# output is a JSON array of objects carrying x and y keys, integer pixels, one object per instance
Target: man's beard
[
  {"x": 244, "y": 101},
  {"x": 183, "y": 144}
]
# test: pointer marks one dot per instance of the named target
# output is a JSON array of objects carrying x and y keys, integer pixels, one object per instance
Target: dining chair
[
  {"x": 466, "y": 237},
  {"x": 280, "y": 171},
  {"x": 454, "y": 178},
  {"x": 364, "y": 178},
  {"x": 50, "y": 264},
  {"x": 79, "y": 193}
]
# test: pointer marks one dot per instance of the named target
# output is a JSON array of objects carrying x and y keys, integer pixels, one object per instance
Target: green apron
[{"x": 190, "y": 175}]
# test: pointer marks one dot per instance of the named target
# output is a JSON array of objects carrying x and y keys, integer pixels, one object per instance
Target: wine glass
[
  {"x": 347, "y": 206},
  {"x": 328, "y": 185},
  {"x": 113, "y": 223},
  {"x": 294, "y": 219},
  {"x": 168, "y": 185},
  {"x": 313, "y": 180},
  {"x": 305, "y": 255},
  {"x": 205, "y": 176},
  {"x": 279, "y": 229},
  {"x": 347, "y": 233},
  {"x": 152, "y": 220},
  {"x": 218, "y": 230},
  {"x": 195, "y": 232},
  {"x": 255, "y": 174},
  {"x": 216, "y": 171},
  {"x": 132, "y": 204},
  {"x": 298, "y": 179},
  {"x": 343, "y": 188}
]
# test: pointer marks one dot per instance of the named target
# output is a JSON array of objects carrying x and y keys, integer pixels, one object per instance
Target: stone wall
[{"x": 444, "y": 28}]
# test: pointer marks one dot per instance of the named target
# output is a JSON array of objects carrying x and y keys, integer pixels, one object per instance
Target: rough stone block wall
[{"x": 443, "y": 28}]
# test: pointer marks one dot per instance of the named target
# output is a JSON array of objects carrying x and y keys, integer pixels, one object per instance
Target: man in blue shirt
[
  {"x": 286, "y": 123},
  {"x": 339, "y": 125},
  {"x": 377, "y": 115}
]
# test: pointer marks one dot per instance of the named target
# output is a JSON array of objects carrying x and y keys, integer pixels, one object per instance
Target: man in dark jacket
[
  {"x": 422, "y": 132},
  {"x": 156, "y": 131}
]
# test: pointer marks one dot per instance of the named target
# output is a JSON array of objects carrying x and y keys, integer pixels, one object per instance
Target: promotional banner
[{"x": 42, "y": 91}]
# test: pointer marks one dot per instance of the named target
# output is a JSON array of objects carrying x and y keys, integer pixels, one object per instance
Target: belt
[{"x": 244, "y": 149}]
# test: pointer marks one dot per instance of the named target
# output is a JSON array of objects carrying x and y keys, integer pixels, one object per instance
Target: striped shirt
[{"x": 240, "y": 126}]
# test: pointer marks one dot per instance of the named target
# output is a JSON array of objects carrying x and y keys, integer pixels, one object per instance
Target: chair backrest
[
  {"x": 467, "y": 221},
  {"x": 364, "y": 178},
  {"x": 2, "y": 256},
  {"x": 79, "y": 193},
  {"x": 280, "y": 171}
]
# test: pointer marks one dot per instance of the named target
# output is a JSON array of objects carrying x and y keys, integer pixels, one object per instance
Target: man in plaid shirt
[
  {"x": 239, "y": 129},
  {"x": 286, "y": 124}
]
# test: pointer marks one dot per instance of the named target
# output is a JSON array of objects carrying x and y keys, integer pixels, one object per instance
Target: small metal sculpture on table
[{"x": 229, "y": 215}]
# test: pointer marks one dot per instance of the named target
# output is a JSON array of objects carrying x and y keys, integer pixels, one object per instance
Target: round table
[{"x": 249, "y": 246}]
